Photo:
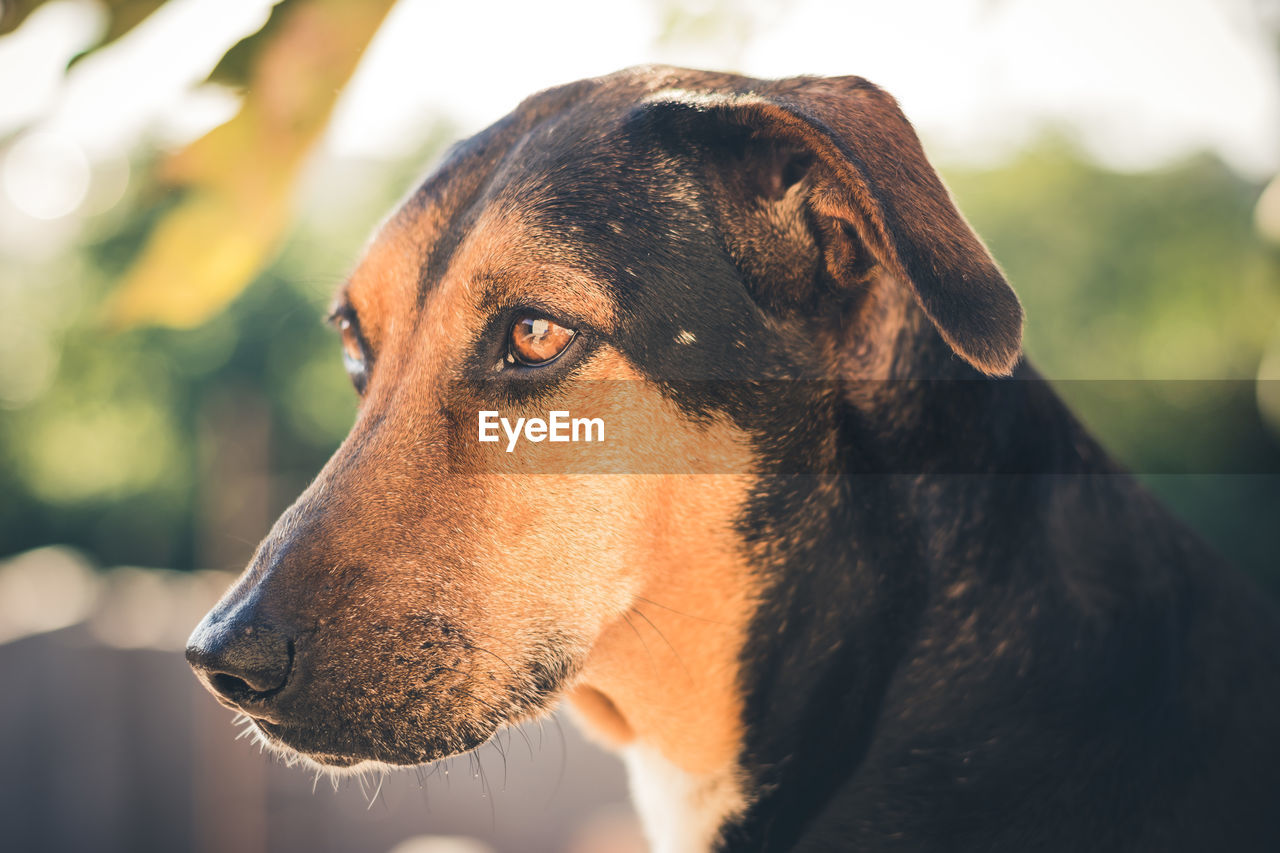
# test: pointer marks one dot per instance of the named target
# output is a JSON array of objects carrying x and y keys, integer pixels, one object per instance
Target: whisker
[
  {"x": 564, "y": 758},
  {"x": 382, "y": 777},
  {"x": 528, "y": 743},
  {"x": 664, "y": 639},
  {"x": 487, "y": 792},
  {"x": 476, "y": 648},
  {"x": 626, "y": 617},
  {"x": 679, "y": 612},
  {"x": 497, "y": 745}
]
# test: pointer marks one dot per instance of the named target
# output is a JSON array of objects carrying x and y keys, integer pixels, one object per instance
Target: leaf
[
  {"x": 122, "y": 16},
  {"x": 236, "y": 65},
  {"x": 14, "y": 12},
  {"x": 239, "y": 178}
]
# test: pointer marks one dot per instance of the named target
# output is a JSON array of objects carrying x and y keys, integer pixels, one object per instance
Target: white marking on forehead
[{"x": 686, "y": 337}]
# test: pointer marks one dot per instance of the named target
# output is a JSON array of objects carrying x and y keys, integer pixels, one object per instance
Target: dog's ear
[{"x": 837, "y": 158}]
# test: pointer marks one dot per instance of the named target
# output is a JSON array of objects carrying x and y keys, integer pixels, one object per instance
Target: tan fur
[
  {"x": 435, "y": 587},
  {"x": 669, "y": 667},
  {"x": 636, "y": 562}
]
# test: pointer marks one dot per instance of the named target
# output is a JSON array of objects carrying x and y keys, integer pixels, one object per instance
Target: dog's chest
[{"x": 681, "y": 812}]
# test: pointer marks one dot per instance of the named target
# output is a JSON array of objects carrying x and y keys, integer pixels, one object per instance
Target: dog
[{"x": 841, "y": 571}]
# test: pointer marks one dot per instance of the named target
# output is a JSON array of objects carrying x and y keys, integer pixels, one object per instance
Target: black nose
[{"x": 243, "y": 663}]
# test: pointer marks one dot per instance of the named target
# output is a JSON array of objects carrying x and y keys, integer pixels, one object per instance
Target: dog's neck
[
  {"x": 673, "y": 712},
  {"x": 726, "y": 719},
  {"x": 882, "y": 561},
  {"x": 662, "y": 687}
]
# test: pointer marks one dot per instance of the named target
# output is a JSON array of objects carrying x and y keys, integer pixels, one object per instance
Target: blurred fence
[{"x": 108, "y": 743}]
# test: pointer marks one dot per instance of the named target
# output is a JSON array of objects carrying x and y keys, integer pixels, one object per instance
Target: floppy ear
[{"x": 841, "y": 149}]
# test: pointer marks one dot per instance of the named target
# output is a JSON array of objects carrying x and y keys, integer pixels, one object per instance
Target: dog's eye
[
  {"x": 536, "y": 341},
  {"x": 353, "y": 355}
]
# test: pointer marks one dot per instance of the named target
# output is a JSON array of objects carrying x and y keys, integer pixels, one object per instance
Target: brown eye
[
  {"x": 353, "y": 354},
  {"x": 536, "y": 341}
]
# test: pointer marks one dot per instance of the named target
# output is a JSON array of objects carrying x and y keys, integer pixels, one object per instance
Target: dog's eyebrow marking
[
  {"x": 441, "y": 253},
  {"x": 686, "y": 337},
  {"x": 560, "y": 290}
]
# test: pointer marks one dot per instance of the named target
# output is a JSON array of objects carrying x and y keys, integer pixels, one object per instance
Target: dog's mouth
[
  {"x": 407, "y": 692},
  {"x": 347, "y": 749},
  {"x": 277, "y": 737},
  {"x": 406, "y": 741},
  {"x": 405, "y": 722},
  {"x": 329, "y": 741}
]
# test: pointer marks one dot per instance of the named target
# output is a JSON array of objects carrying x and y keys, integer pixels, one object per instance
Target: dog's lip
[
  {"x": 262, "y": 719},
  {"x": 259, "y": 717},
  {"x": 248, "y": 709},
  {"x": 281, "y": 736},
  {"x": 309, "y": 739},
  {"x": 277, "y": 733}
]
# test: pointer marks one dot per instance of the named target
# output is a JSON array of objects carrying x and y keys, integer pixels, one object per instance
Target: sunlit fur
[{"x": 846, "y": 574}]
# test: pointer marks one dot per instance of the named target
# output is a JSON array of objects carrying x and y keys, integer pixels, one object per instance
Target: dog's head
[{"x": 663, "y": 250}]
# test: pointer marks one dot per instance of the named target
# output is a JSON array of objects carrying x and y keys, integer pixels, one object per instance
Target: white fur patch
[{"x": 681, "y": 813}]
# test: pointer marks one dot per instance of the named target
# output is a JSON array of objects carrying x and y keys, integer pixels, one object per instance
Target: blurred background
[{"x": 184, "y": 183}]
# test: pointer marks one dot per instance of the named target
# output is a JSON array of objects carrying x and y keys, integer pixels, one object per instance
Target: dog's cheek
[
  {"x": 571, "y": 533},
  {"x": 558, "y": 552}
]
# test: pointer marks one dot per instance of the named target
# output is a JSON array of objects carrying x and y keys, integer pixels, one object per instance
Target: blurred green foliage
[
  {"x": 116, "y": 455},
  {"x": 1151, "y": 275},
  {"x": 238, "y": 179},
  {"x": 1155, "y": 275}
]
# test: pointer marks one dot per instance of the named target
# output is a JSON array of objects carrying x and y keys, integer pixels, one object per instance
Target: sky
[{"x": 1139, "y": 83}]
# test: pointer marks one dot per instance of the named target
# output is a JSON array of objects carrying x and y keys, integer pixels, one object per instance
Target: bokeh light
[{"x": 46, "y": 175}]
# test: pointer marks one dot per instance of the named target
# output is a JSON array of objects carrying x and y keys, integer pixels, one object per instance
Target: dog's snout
[{"x": 241, "y": 663}]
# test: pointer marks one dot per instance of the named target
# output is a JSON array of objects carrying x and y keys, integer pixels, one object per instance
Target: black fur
[
  {"x": 980, "y": 634},
  {"x": 977, "y": 633}
]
